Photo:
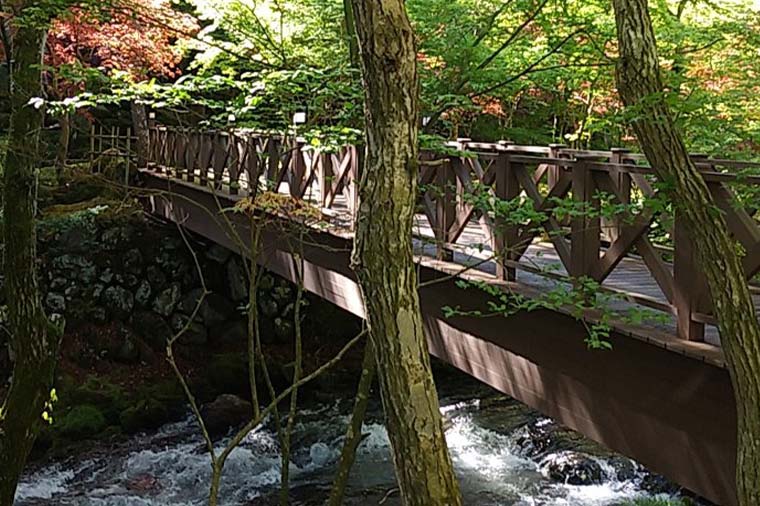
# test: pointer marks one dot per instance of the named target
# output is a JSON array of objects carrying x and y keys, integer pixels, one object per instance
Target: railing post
[
  {"x": 585, "y": 229},
  {"x": 273, "y": 162},
  {"x": 691, "y": 290},
  {"x": 552, "y": 177},
  {"x": 460, "y": 196},
  {"x": 506, "y": 187},
  {"x": 445, "y": 208},
  {"x": 324, "y": 176},
  {"x": 297, "y": 170},
  {"x": 622, "y": 180}
]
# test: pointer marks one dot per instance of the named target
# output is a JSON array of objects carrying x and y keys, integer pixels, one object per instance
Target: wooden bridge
[{"x": 661, "y": 396}]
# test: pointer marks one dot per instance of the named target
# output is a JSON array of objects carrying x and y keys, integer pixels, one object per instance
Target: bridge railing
[{"x": 587, "y": 244}]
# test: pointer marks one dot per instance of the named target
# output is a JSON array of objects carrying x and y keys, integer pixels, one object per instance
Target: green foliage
[
  {"x": 82, "y": 422},
  {"x": 660, "y": 502}
]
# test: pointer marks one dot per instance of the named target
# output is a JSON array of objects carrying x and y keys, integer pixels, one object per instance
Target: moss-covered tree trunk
[
  {"x": 383, "y": 258},
  {"x": 640, "y": 86},
  {"x": 33, "y": 342}
]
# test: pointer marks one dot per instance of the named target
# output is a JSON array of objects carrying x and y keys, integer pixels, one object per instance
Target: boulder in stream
[
  {"x": 572, "y": 468},
  {"x": 225, "y": 412}
]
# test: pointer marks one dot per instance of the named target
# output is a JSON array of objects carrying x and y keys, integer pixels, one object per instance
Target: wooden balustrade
[{"x": 586, "y": 244}]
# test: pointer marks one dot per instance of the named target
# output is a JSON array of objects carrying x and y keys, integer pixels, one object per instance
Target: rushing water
[{"x": 485, "y": 433}]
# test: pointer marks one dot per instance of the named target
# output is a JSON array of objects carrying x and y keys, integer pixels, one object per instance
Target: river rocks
[
  {"x": 119, "y": 301},
  {"x": 572, "y": 468},
  {"x": 143, "y": 293},
  {"x": 55, "y": 302},
  {"x": 167, "y": 300},
  {"x": 225, "y": 412}
]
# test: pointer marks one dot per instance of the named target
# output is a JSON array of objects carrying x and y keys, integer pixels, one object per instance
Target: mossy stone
[
  {"x": 147, "y": 414},
  {"x": 82, "y": 422}
]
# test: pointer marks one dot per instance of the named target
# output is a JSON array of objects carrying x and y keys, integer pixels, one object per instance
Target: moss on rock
[{"x": 81, "y": 422}]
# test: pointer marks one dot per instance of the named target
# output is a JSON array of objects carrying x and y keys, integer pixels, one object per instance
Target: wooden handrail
[{"x": 237, "y": 160}]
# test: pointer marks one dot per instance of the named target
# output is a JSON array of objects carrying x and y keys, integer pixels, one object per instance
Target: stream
[{"x": 504, "y": 454}]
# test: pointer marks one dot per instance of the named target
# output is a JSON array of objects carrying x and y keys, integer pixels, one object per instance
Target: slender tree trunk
[
  {"x": 140, "y": 125},
  {"x": 353, "y": 43},
  {"x": 63, "y": 144},
  {"x": 354, "y": 431},
  {"x": 383, "y": 258},
  {"x": 33, "y": 340},
  {"x": 640, "y": 86}
]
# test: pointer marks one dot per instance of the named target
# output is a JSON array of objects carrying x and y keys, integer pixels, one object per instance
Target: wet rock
[
  {"x": 144, "y": 484},
  {"x": 143, "y": 293},
  {"x": 55, "y": 302},
  {"x": 225, "y": 412},
  {"x": 119, "y": 301},
  {"x": 656, "y": 484},
  {"x": 167, "y": 300},
  {"x": 572, "y": 468},
  {"x": 237, "y": 282}
]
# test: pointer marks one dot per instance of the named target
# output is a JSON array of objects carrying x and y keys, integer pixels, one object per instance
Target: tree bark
[
  {"x": 140, "y": 125},
  {"x": 383, "y": 259},
  {"x": 354, "y": 431},
  {"x": 353, "y": 44},
  {"x": 640, "y": 86},
  {"x": 63, "y": 144},
  {"x": 33, "y": 340}
]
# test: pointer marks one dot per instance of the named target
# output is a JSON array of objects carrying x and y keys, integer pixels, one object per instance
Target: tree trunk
[
  {"x": 140, "y": 124},
  {"x": 354, "y": 431},
  {"x": 63, "y": 144},
  {"x": 353, "y": 44},
  {"x": 33, "y": 340},
  {"x": 640, "y": 86},
  {"x": 383, "y": 259}
]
